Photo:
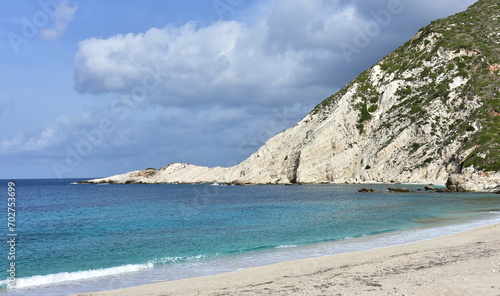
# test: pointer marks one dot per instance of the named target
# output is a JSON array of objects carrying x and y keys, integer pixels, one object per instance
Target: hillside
[{"x": 429, "y": 109}]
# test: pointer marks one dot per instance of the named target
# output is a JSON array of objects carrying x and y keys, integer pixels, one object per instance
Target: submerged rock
[
  {"x": 366, "y": 190},
  {"x": 398, "y": 189}
]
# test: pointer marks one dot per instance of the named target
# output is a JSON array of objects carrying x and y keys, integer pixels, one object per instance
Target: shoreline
[
  {"x": 440, "y": 184},
  {"x": 465, "y": 263}
]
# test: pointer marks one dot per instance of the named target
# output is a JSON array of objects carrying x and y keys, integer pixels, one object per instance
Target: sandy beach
[{"x": 466, "y": 263}]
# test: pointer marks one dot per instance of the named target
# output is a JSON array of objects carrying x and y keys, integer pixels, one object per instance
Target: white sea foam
[
  {"x": 50, "y": 279},
  {"x": 178, "y": 259},
  {"x": 285, "y": 246},
  {"x": 40, "y": 280}
]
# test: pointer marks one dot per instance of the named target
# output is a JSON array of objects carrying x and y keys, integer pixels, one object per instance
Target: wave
[
  {"x": 285, "y": 246},
  {"x": 39, "y": 280},
  {"x": 179, "y": 259}
]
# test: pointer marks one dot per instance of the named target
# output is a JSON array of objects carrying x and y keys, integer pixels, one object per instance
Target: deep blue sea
[{"x": 82, "y": 238}]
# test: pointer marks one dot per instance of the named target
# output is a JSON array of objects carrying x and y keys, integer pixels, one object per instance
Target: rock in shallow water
[
  {"x": 398, "y": 189},
  {"x": 366, "y": 190}
]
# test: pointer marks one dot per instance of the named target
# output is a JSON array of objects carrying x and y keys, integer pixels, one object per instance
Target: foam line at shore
[{"x": 39, "y": 280}]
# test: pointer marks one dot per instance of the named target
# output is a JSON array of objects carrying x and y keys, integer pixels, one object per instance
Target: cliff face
[{"x": 429, "y": 109}]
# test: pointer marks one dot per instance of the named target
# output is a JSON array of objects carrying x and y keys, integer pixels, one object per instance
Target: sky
[{"x": 94, "y": 88}]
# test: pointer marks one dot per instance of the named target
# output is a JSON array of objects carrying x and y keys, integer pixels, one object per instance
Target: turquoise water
[{"x": 80, "y": 238}]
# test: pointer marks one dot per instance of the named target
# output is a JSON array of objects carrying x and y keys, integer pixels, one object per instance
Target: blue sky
[{"x": 95, "y": 88}]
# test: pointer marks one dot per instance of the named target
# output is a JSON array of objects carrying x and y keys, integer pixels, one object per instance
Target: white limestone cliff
[
  {"x": 413, "y": 131},
  {"x": 327, "y": 145}
]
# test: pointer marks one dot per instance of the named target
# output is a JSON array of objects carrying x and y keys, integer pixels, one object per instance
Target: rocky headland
[{"x": 427, "y": 111}]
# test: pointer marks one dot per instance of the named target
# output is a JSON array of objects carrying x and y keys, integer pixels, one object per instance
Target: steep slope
[{"x": 429, "y": 109}]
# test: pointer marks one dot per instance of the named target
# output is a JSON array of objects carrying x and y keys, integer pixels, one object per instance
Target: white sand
[{"x": 467, "y": 263}]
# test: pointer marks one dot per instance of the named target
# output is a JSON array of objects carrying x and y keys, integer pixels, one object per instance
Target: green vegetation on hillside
[
  {"x": 477, "y": 30},
  {"x": 463, "y": 47}
]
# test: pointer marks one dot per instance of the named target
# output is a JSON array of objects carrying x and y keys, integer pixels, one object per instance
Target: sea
[{"x": 75, "y": 238}]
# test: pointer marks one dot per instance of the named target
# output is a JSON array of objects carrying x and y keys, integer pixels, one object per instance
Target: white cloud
[
  {"x": 60, "y": 132},
  {"x": 182, "y": 53},
  {"x": 62, "y": 17},
  {"x": 21, "y": 143}
]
